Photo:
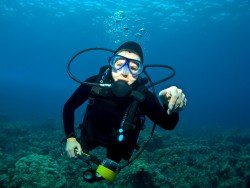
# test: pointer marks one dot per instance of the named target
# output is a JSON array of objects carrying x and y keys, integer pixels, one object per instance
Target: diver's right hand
[{"x": 71, "y": 146}]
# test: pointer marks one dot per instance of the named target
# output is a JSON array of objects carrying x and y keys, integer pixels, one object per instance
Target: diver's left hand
[{"x": 174, "y": 98}]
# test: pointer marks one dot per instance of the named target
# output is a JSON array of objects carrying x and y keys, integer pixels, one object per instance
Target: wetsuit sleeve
[
  {"x": 77, "y": 99},
  {"x": 158, "y": 113}
]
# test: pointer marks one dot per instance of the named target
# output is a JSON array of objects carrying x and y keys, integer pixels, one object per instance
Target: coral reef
[
  {"x": 37, "y": 171},
  {"x": 172, "y": 159}
]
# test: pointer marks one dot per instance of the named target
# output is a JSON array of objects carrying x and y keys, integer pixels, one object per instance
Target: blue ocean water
[{"x": 207, "y": 42}]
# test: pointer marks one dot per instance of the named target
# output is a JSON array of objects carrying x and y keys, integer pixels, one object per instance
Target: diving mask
[{"x": 126, "y": 65}]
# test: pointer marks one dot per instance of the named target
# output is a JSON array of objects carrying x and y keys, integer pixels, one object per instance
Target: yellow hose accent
[{"x": 106, "y": 173}]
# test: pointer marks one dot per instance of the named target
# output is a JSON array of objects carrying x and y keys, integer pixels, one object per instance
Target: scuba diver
[{"x": 111, "y": 120}]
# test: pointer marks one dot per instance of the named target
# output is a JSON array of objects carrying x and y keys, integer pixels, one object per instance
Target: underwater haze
[{"x": 207, "y": 42}]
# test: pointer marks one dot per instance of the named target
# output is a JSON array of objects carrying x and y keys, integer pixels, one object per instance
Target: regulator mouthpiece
[{"x": 121, "y": 88}]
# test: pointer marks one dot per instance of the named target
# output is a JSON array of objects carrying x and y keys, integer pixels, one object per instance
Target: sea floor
[{"x": 30, "y": 156}]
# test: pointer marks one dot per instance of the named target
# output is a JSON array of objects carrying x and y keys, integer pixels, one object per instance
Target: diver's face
[{"x": 126, "y": 75}]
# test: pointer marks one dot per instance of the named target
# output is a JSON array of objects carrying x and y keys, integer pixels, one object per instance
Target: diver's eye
[
  {"x": 133, "y": 66},
  {"x": 119, "y": 63}
]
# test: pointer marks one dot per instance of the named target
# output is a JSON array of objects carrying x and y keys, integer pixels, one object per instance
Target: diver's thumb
[{"x": 79, "y": 149}]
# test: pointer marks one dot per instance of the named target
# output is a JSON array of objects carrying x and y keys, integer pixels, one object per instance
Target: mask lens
[
  {"x": 134, "y": 67},
  {"x": 117, "y": 62}
]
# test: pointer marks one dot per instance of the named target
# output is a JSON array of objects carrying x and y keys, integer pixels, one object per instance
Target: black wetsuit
[{"x": 100, "y": 128}]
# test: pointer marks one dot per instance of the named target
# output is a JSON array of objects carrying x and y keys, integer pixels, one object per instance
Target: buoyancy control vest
[{"x": 132, "y": 121}]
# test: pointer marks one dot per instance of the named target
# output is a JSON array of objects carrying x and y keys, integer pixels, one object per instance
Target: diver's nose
[{"x": 125, "y": 71}]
